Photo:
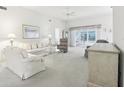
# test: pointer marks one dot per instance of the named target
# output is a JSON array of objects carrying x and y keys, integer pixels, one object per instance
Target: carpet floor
[{"x": 63, "y": 70}]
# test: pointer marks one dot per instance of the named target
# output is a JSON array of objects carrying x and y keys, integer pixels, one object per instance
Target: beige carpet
[{"x": 63, "y": 70}]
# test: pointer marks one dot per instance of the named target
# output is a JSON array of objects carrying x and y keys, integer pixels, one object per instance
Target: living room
[{"x": 36, "y": 32}]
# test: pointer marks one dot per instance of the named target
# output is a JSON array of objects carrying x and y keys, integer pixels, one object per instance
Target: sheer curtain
[{"x": 57, "y": 35}]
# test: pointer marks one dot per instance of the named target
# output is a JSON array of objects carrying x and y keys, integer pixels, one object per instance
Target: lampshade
[
  {"x": 50, "y": 36},
  {"x": 11, "y": 36}
]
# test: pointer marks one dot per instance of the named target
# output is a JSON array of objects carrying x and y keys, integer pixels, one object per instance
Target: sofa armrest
[
  {"x": 33, "y": 58},
  {"x": 27, "y": 60}
]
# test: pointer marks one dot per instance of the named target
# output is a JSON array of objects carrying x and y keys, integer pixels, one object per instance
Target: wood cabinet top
[{"x": 103, "y": 47}]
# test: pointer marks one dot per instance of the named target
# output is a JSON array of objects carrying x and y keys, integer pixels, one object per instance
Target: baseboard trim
[{"x": 93, "y": 85}]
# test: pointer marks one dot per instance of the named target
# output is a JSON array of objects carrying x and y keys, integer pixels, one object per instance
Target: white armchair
[{"x": 22, "y": 63}]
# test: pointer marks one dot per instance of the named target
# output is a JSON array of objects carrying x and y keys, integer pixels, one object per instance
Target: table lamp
[{"x": 11, "y": 37}]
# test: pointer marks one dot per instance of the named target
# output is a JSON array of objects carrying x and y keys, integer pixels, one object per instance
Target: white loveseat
[{"x": 22, "y": 63}]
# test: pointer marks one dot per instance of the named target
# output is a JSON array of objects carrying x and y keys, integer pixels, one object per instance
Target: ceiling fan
[
  {"x": 3, "y": 8},
  {"x": 69, "y": 12}
]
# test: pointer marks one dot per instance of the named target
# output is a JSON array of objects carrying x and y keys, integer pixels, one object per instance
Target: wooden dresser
[{"x": 103, "y": 65}]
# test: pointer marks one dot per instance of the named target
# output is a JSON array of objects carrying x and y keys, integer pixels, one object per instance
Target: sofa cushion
[
  {"x": 39, "y": 45},
  {"x": 34, "y": 46},
  {"x": 24, "y": 53},
  {"x": 34, "y": 58}
]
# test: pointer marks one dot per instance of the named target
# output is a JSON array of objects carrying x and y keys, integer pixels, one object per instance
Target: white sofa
[
  {"x": 22, "y": 63},
  {"x": 35, "y": 48}
]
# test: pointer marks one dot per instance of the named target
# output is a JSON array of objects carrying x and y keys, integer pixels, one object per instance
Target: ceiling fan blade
[
  {"x": 3, "y": 8},
  {"x": 72, "y": 13}
]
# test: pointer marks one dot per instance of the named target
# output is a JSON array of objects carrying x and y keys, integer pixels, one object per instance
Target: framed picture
[{"x": 31, "y": 32}]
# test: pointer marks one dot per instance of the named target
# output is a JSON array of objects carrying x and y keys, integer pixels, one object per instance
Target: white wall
[
  {"x": 118, "y": 24},
  {"x": 105, "y": 20},
  {"x": 11, "y": 22}
]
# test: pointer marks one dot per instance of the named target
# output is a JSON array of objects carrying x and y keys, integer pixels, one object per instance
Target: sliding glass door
[
  {"x": 92, "y": 36},
  {"x": 84, "y": 38}
]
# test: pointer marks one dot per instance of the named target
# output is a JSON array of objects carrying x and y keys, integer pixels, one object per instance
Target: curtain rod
[{"x": 87, "y": 26}]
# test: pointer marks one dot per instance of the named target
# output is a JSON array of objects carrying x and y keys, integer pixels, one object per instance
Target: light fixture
[
  {"x": 50, "y": 43},
  {"x": 50, "y": 39},
  {"x": 11, "y": 37},
  {"x": 50, "y": 36},
  {"x": 69, "y": 13}
]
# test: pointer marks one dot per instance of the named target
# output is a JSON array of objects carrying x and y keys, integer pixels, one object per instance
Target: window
[
  {"x": 83, "y": 36},
  {"x": 91, "y": 36}
]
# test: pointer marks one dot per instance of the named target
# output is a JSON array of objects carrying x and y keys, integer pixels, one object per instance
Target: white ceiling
[{"x": 79, "y": 11}]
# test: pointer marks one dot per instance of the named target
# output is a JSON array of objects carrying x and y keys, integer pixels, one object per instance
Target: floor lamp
[{"x": 50, "y": 43}]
